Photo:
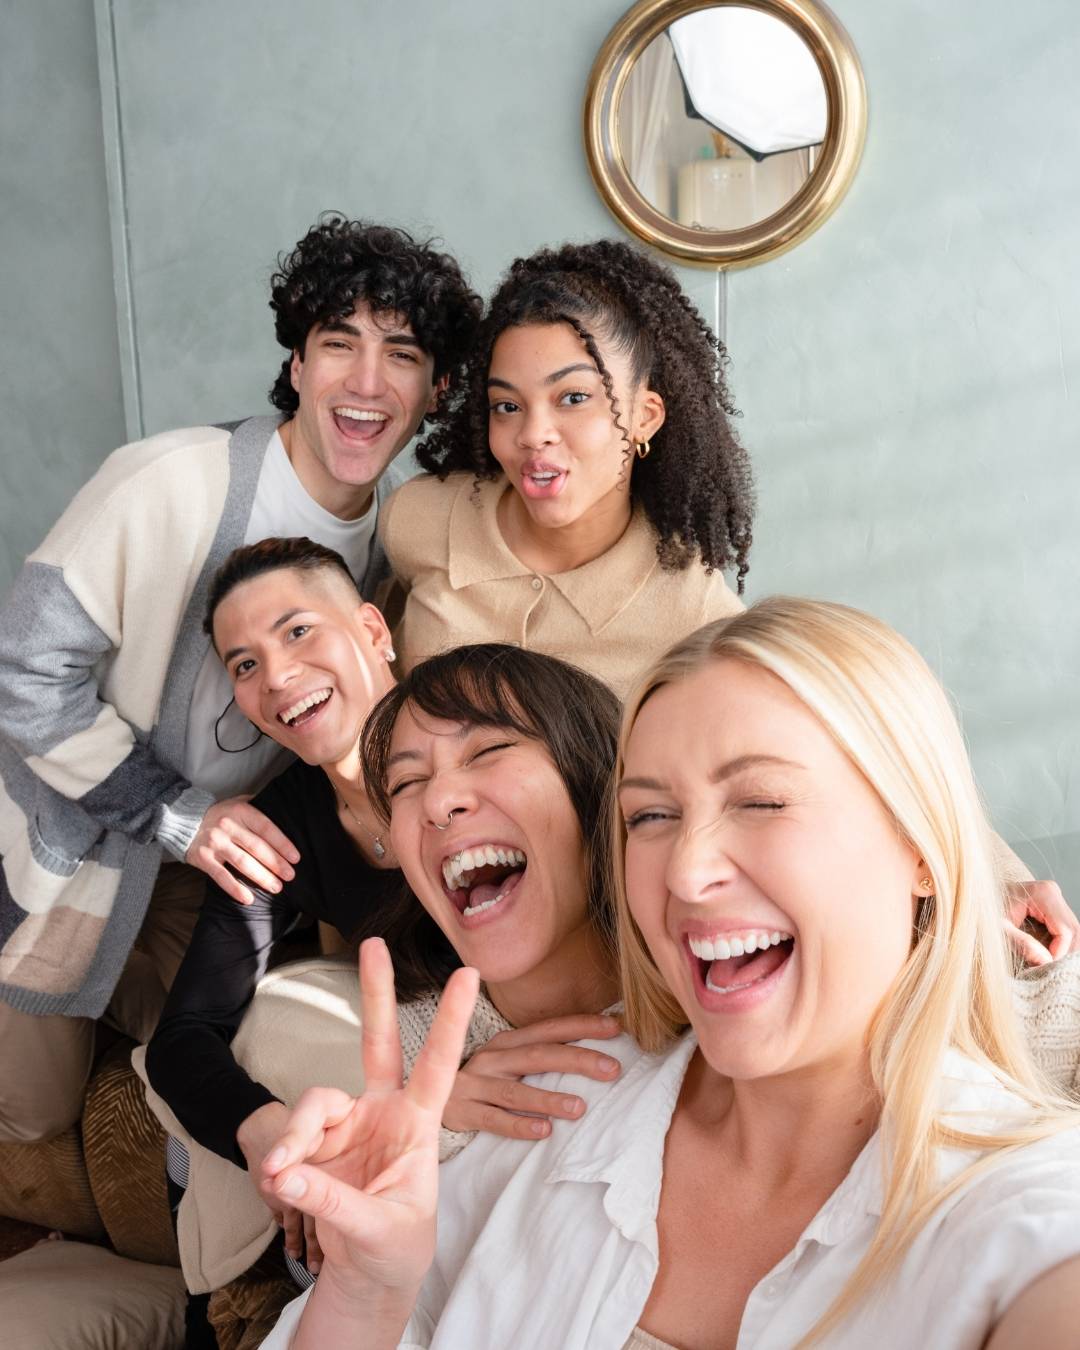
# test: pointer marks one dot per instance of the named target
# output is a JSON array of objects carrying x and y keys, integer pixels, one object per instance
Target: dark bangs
[{"x": 493, "y": 684}]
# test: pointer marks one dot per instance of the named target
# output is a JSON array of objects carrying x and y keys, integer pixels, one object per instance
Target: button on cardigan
[{"x": 612, "y": 616}]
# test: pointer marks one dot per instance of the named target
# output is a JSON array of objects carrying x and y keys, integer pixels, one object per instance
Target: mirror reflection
[{"x": 722, "y": 118}]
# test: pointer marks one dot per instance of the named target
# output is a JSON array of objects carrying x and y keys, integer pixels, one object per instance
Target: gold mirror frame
[{"x": 814, "y": 202}]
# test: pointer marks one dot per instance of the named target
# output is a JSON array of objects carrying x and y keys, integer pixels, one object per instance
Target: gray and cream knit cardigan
[{"x": 100, "y": 644}]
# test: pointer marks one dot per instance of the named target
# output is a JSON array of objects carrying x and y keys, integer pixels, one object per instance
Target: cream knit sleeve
[
  {"x": 414, "y": 1022},
  {"x": 1048, "y": 1003}
]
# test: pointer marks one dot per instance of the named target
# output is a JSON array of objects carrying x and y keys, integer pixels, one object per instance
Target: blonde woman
[{"x": 828, "y": 1131}]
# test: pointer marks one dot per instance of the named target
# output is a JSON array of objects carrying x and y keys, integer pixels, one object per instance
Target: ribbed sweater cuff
[{"x": 180, "y": 821}]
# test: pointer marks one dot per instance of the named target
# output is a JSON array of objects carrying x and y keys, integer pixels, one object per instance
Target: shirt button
[{"x": 537, "y": 584}]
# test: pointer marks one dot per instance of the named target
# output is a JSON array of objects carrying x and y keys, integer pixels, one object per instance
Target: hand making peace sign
[{"x": 366, "y": 1168}]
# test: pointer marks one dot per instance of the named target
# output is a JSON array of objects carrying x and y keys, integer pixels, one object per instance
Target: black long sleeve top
[{"x": 189, "y": 1060}]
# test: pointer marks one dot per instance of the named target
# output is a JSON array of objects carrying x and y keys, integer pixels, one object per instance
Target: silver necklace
[{"x": 377, "y": 845}]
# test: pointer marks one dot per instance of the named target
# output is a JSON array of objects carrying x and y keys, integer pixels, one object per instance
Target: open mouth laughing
[
  {"x": 359, "y": 424},
  {"x": 304, "y": 709},
  {"x": 728, "y": 964},
  {"x": 478, "y": 879}
]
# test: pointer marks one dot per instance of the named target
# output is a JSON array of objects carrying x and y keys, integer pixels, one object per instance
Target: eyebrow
[
  {"x": 396, "y": 338},
  {"x": 720, "y": 775},
  {"x": 236, "y": 651},
  {"x": 553, "y": 378},
  {"x": 463, "y": 731}
]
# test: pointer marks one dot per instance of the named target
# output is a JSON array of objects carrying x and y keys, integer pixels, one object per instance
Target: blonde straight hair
[{"x": 879, "y": 699}]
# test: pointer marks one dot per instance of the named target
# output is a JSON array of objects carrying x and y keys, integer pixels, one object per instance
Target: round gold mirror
[{"x": 724, "y": 132}]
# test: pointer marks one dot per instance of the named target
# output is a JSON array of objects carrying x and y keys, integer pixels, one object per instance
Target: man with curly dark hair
[{"x": 116, "y": 740}]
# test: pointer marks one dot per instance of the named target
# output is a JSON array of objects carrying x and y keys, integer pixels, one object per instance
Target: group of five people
[{"x": 794, "y": 865}]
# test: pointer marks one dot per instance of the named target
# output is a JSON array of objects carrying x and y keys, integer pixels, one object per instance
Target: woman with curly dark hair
[{"x": 587, "y": 489}]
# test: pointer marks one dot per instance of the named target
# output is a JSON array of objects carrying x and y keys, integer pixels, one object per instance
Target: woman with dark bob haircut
[
  {"x": 518, "y": 748},
  {"x": 587, "y": 489}
]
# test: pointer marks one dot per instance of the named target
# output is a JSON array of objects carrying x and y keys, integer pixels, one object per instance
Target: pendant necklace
[{"x": 377, "y": 845}]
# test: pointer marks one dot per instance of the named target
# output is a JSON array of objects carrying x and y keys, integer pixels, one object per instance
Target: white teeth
[
  {"x": 722, "y": 949},
  {"x": 488, "y": 904},
  {"x": 309, "y": 701},
  {"x": 361, "y": 414},
  {"x": 455, "y": 870}
]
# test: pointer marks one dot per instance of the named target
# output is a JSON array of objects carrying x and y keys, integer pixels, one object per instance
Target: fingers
[
  {"x": 506, "y": 1107},
  {"x": 546, "y": 1058},
  {"x": 317, "y": 1194},
  {"x": 577, "y": 1027},
  {"x": 380, "y": 1042},
  {"x": 1031, "y": 951},
  {"x": 235, "y": 852},
  {"x": 282, "y": 851},
  {"x": 314, "y": 1255},
  {"x": 222, "y": 877},
  {"x": 1044, "y": 901},
  {"x": 438, "y": 1062},
  {"x": 318, "y": 1110},
  {"x": 292, "y": 1222},
  {"x": 235, "y": 834}
]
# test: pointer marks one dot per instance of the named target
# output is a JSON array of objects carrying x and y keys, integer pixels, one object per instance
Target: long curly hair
[
  {"x": 340, "y": 262},
  {"x": 696, "y": 486}
]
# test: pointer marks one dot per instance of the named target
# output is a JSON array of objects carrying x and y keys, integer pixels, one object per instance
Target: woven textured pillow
[
  {"x": 46, "y": 1183},
  {"x": 125, "y": 1157}
]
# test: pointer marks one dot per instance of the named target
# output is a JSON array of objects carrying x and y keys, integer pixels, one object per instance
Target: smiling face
[
  {"x": 551, "y": 427},
  {"x": 505, "y": 879},
  {"x": 769, "y": 882},
  {"x": 306, "y": 657},
  {"x": 364, "y": 385}
]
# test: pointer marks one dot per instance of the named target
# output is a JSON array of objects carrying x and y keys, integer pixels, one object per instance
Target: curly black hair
[
  {"x": 340, "y": 262},
  {"x": 696, "y": 486}
]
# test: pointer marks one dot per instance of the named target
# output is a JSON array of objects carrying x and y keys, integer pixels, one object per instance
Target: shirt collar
[
  {"x": 969, "y": 1097},
  {"x": 630, "y": 1161},
  {"x": 599, "y": 590},
  {"x": 601, "y": 1148}
]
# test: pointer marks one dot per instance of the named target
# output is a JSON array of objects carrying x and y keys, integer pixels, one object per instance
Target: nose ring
[{"x": 449, "y": 820}]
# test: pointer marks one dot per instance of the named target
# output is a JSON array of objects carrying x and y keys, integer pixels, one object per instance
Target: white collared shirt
[{"x": 555, "y": 1244}]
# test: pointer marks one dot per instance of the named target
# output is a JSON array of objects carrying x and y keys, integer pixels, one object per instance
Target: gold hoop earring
[{"x": 643, "y": 448}]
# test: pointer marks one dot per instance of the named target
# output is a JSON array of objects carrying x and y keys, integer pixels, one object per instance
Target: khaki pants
[{"x": 45, "y": 1062}]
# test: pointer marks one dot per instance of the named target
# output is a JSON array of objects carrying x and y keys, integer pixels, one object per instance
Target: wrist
[
  {"x": 365, "y": 1301},
  {"x": 257, "y": 1133}
]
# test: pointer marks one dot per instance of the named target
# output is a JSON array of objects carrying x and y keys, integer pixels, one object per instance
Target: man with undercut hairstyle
[{"x": 119, "y": 746}]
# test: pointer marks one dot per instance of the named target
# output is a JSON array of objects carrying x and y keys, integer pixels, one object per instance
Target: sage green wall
[
  {"x": 910, "y": 380},
  {"x": 905, "y": 374},
  {"x": 59, "y": 362}
]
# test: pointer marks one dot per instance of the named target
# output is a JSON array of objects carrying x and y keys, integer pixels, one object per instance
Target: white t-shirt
[
  {"x": 555, "y": 1243},
  {"x": 282, "y": 508}
]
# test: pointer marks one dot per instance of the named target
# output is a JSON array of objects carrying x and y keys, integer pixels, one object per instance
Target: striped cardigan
[{"x": 100, "y": 644}]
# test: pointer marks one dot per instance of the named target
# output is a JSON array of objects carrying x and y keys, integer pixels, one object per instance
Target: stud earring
[
  {"x": 390, "y": 654},
  {"x": 927, "y": 885}
]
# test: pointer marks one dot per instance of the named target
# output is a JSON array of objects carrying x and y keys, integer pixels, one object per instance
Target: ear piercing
[
  {"x": 643, "y": 448},
  {"x": 390, "y": 655}
]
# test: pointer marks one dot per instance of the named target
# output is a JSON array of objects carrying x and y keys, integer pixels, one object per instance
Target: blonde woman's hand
[
  {"x": 1043, "y": 902},
  {"x": 366, "y": 1168},
  {"x": 489, "y": 1095}
]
